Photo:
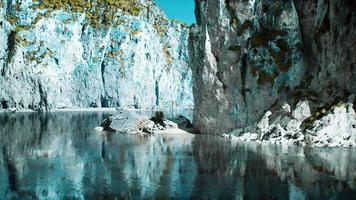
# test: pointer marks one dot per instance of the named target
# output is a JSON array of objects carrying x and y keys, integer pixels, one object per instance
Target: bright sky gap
[{"x": 183, "y": 10}]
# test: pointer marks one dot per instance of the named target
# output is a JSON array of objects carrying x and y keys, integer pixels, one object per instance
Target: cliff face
[
  {"x": 328, "y": 30},
  {"x": 250, "y": 56},
  {"x": 92, "y": 54}
]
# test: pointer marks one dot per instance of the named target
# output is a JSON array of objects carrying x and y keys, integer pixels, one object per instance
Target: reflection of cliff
[
  {"x": 59, "y": 155},
  {"x": 220, "y": 169},
  {"x": 320, "y": 173},
  {"x": 235, "y": 171},
  {"x": 272, "y": 171},
  {"x": 42, "y": 150}
]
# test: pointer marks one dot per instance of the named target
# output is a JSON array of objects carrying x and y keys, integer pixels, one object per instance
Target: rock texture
[
  {"x": 333, "y": 126},
  {"x": 131, "y": 122},
  {"x": 99, "y": 53},
  {"x": 251, "y": 56}
]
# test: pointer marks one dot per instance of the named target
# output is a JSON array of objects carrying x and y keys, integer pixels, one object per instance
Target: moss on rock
[
  {"x": 246, "y": 25},
  {"x": 262, "y": 37},
  {"x": 161, "y": 26},
  {"x": 265, "y": 78},
  {"x": 98, "y": 12}
]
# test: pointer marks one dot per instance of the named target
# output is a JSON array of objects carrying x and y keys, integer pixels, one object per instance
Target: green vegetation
[
  {"x": 281, "y": 56},
  {"x": 233, "y": 18},
  {"x": 234, "y": 21},
  {"x": 115, "y": 54},
  {"x": 235, "y": 48},
  {"x": 38, "y": 58},
  {"x": 246, "y": 25},
  {"x": 98, "y": 12},
  {"x": 301, "y": 94},
  {"x": 265, "y": 78},
  {"x": 282, "y": 60},
  {"x": 167, "y": 54},
  {"x": 284, "y": 88},
  {"x": 276, "y": 8},
  {"x": 161, "y": 26},
  {"x": 136, "y": 32},
  {"x": 262, "y": 37},
  {"x": 159, "y": 118},
  {"x": 22, "y": 28},
  {"x": 12, "y": 19}
]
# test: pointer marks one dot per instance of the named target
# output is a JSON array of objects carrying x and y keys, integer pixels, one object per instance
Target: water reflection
[{"x": 58, "y": 155}]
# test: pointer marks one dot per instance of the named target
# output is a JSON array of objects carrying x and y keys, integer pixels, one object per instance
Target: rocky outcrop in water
[
  {"x": 92, "y": 54},
  {"x": 131, "y": 122},
  {"x": 252, "y": 56}
]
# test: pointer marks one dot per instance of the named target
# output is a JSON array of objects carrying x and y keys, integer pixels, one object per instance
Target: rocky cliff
[
  {"x": 98, "y": 53},
  {"x": 251, "y": 56}
]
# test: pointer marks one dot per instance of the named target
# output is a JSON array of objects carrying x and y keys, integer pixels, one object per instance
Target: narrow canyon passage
[{"x": 177, "y": 99}]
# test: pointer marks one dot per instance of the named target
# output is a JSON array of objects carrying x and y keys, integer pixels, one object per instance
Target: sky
[{"x": 183, "y": 10}]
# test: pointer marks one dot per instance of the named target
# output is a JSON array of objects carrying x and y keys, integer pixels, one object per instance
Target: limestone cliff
[
  {"x": 251, "y": 56},
  {"x": 96, "y": 53}
]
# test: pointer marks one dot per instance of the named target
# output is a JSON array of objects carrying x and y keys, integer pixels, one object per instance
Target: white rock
[
  {"x": 263, "y": 125},
  {"x": 253, "y": 136},
  {"x": 301, "y": 111},
  {"x": 336, "y": 128},
  {"x": 286, "y": 108},
  {"x": 10, "y": 110},
  {"x": 170, "y": 124}
]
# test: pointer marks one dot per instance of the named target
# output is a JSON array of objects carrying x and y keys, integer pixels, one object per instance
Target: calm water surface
[{"x": 59, "y": 156}]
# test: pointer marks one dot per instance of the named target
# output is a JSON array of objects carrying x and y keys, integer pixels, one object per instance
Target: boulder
[
  {"x": 131, "y": 122},
  {"x": 10, "y": 110}
]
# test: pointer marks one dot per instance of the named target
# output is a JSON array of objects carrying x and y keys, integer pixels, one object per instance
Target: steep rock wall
[
  {"x": 328, "y": 30},
  {"x": 250, "y": 56},
  {"x": 92, "y": 54}
]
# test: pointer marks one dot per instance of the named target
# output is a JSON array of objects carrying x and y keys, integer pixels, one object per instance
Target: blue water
[{"x": 60, "y": 156}]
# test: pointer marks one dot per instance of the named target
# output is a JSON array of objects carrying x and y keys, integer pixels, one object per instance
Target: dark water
[{"x": 59, "y": 156}]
